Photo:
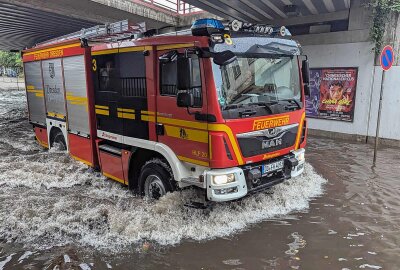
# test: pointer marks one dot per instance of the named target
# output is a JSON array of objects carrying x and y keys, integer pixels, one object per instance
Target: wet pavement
[{"x": 56, "y": 213}]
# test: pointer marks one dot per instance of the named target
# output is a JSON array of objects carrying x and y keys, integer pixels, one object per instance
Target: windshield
[{"x": 258, "y": 86}]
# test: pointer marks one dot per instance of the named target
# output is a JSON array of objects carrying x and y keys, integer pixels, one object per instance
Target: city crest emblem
[{"x": 52, "y": 72}]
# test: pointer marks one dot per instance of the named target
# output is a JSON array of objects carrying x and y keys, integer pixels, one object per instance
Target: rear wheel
[
  {"x": 155, "y": 179},
  {"x": 59, "y": 141}
]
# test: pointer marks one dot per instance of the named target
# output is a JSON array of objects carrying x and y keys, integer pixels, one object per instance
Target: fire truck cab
[{"x": 222, "y": 109}]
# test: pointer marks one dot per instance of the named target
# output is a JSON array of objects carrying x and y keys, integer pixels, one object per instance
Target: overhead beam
[
  {"x": 329, "y": 5},
  {"x": 326, "y": 17},
  {"x": 269, "y": 4},
  {"x": 310, "y": 6}
]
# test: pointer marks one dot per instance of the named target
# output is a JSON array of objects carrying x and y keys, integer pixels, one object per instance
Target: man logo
[
  {"x": 271, "y": 132},
  {"x": 52, "y": 71},
  {"x": 271, "y": 143}
]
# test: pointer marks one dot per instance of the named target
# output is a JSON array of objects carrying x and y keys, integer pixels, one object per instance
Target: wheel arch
[
  {"x": 140, "y": 155},
  {"x": 52, "y": 133}
]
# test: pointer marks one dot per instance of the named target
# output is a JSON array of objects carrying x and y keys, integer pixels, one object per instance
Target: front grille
[{"x": 261, "y": 142}]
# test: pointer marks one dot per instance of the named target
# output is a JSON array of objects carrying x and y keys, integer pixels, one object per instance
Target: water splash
[{"x": 48, "y": 200}]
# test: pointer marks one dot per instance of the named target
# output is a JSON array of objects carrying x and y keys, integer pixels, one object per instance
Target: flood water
[{"x": 56, "y": 213}]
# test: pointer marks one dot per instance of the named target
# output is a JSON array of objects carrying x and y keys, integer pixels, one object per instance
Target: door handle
[{"x": 160, "y": 129}]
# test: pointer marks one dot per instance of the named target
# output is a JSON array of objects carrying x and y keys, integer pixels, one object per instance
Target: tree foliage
[
  {"x": 381, "y": 11},
  {"x": 10, "y": 59}
]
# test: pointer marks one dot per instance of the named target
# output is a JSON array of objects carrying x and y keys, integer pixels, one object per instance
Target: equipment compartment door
[
  {"x": 177, "y": 127},
  {"x": 80, "y": 141},
  {"x": 54, "y": 88},
  {"x": 34, "y": 93},
  {"x": 54, "y": 93}
]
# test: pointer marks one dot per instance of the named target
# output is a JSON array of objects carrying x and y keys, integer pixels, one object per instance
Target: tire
[
  {"x": 59, "y": 140},
  {"x": 155, "y": 179}
]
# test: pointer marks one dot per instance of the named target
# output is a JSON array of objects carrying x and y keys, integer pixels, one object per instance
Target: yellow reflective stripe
[
  {"x": 134, "y": 49},
  {"x": 174, "y": 46},
  {"x": 82, "y": 160},
  {"x": 187, "y": 134},
  {"x": 82, "y": 103},
  {"x": 126, "y": 115},
  {"x": 297, "y": 144},
  {"x": 209, "y": 146},
  {"x": 194, "y": 161},
  {"x": 75, "y": 98},
  {"x": 148, "y": 118},
  {"x": 114, "y": 177},
  {"x": 232, "y": 139},
  {"x": 203, "y": 126},
  {"x": 30, "y": 87},
  {"x": 44, "y": 144},
  {"x": 148, "y": 112},
  {"x": 102, "y": 112},
  {"x": 38, "y": 93},
  {"x": 101, "y": 107},
  {"x": 54, "y": 48},
  {"x": 108, "y": 51},
  {"x": 125, "y": 110},
  {"x": 55, "y": 115},
  {"x": 35, "y": 91},
  {"x": 184, "y": 123}
]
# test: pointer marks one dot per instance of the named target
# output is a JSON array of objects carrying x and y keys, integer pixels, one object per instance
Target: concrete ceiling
[
  {"x": 24, "y": 23},
  {"x": 264, "y": 11},
  {"x": 22, "y": 26}
]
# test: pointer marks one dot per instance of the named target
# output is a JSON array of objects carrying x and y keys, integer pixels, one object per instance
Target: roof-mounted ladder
[{"x": 112, "y": 31}]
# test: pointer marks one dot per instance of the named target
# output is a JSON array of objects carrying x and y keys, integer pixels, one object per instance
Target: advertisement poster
[{"x": 332, "y": 93}]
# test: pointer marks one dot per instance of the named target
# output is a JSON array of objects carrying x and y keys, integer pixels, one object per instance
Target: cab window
[{"x": 168, "y": 82}]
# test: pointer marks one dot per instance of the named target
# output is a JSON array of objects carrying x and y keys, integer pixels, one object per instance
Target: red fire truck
[{"x": 221, "y": 109}]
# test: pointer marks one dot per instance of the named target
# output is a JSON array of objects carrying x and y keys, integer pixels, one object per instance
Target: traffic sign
[{"x": 387, "y": 58}]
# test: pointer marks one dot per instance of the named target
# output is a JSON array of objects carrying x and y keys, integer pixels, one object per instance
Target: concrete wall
[
  {"x": 390, "y": 118},
  {"x": 358, "y": 55},
  {"x": 353, "y": 48}
]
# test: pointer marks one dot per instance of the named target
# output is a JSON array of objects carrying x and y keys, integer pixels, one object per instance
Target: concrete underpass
[{"x": 342, "y": 213}]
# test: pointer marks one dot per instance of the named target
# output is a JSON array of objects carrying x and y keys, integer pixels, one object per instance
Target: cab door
[
  {"x": 177, "y": 127},
  {"x": 107, "y": 93}
]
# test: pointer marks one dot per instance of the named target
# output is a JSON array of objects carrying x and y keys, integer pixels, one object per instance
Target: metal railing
[{"x": 177, "y": 7}]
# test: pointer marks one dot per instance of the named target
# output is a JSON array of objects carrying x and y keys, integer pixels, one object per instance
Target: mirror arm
[{"x": 189, "y": 112}]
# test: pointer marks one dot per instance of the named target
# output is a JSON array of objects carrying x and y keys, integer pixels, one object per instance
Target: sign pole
[
  {"x": 386, "y": 59},
  {"x": 378, "y": 123}
]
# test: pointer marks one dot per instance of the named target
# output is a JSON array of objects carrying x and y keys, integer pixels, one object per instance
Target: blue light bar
[{"x": 206, "y": 27}]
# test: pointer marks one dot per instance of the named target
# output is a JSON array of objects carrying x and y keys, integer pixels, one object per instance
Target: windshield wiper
[{"x": 295, "y": 101}]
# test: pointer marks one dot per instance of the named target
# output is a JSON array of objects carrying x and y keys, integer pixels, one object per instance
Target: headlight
[
  {"x": 223, "y": 179},
  {"x": 299, "y": 154},
  {"x": 300, "y": 157}
]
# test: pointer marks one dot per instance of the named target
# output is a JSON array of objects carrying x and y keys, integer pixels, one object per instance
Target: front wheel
[{"x": 155, "y": 179}]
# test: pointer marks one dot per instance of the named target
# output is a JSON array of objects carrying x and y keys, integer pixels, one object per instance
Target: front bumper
[{"x": 245, "y": 183}]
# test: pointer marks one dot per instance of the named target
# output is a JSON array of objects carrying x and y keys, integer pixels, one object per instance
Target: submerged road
[{"x": 56, "y": 213}]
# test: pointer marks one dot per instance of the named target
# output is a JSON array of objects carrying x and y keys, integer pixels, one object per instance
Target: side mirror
[
  {"x": 305, "y": 71},
  {"x": 184, "y": 73},
  {"x": 307, "y": 90},
  {"x": 224, "y": 58},
  {"x": 184, "y": 99}
]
